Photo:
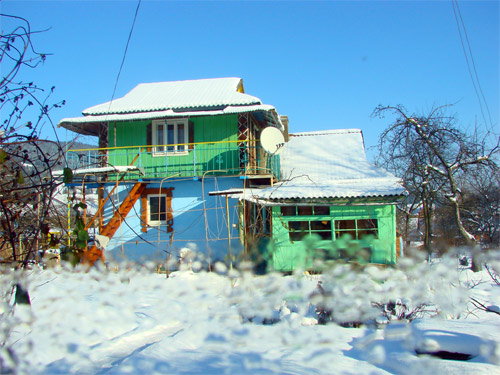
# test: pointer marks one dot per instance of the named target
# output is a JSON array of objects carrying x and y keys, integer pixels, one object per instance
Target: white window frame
[
  {"x": 154, "y": 223},
  {"x": 179, "y": 146}
]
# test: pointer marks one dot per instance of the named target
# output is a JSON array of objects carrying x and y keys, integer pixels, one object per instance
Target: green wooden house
[{"x": 163, "y": 148}]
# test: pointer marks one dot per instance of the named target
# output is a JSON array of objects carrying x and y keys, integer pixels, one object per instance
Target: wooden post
[
  {"x": 229, "y": 234},
  {"x": 100, "y": 198}
]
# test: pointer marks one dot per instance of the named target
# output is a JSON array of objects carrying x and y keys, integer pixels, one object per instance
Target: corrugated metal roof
[
  {"x": 192, "y": 94},
  {"x": 86, "y": 125},
  {"x": 334, "y": 189},
  {"x": 328, "y": 164},
  {"x": 165, "y": 113}
]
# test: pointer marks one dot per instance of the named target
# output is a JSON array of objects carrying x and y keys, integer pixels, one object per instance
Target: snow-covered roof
[
  {"x": 328, "y": 164},
  {"x": 160, "y": 96},
  {"x": 87, "y": 124},
  {"x": 202, "y": 97}
]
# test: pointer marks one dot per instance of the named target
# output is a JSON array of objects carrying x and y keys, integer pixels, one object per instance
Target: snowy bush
[
  {"x": 15, "y": 321},
  {"x": 134, "y": 320}
]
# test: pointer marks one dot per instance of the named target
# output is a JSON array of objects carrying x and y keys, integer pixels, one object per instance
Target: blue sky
[{"x": 325, "y": 64}]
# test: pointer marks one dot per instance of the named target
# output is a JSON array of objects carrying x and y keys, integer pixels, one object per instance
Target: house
[
  {"x": 186, "y": 165},
  {"x": 162, "y": 148},
  {"x": 330, "y": 192}
]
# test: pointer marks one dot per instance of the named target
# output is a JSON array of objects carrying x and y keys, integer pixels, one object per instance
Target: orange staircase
[{"x": 93, "y": 254}]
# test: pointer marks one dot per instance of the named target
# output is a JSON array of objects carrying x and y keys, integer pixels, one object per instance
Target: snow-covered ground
[{"x": 139, "y": 322}]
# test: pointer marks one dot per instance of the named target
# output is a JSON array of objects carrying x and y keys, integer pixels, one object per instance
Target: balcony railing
[{"x": 182, "y": 160}]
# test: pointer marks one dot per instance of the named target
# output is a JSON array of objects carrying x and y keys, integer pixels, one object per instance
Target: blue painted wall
[{"x": 193, "y": 211}]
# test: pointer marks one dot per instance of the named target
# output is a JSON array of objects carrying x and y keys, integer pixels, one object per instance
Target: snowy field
[{"x": 229, "y": 322}]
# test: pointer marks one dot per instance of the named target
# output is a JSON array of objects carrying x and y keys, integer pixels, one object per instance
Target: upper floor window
[{"x": 170, "y": 136}]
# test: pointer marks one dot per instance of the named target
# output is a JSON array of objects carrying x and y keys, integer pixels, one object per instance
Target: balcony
[{"x": 181, "y": 160}]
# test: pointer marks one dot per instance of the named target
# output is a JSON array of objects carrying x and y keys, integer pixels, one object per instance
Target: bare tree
[
  {"x": 432, "y": 155},
  {"x": 481, "y": 206},
  {"x": 27, "y": 163}
]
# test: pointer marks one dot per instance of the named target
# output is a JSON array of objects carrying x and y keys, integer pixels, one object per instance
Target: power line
[
  {"x": 475, "y": 82},
  {"x": 124, "y": 54}
]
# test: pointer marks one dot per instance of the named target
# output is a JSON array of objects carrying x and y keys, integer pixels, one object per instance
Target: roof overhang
[
  {"x": 334, "y": 190},
  {"x": 92, "y": 124}
]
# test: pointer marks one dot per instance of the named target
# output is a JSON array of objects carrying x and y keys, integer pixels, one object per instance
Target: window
[
  {"x": 305, "y": 210},
  {"x": 288, "y": 210},
  {"x": 357, "y": 229},
  {"x": 300, "y": 229},
  {"x": 323, "y": 223},
  {"x": 156, "y": 208},
  {"x": 170, "y": 136}
]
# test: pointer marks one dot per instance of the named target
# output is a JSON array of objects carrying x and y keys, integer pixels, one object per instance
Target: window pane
[
  {"x": 171, "y": 137},
  {"x": 350, "y": 233},
  {"x": 345, "y": 224},
  {"x": 299, "y": 225},
  {"x": 160, "y": 140},
  {"x": 288, "y": 210},
  {"x": 322, "y": 210},
  {"x": 325, "y": 235},
  {"x": 367, "y": 227},
  {"x": 305, "y": 210},
  {"x": 322, "y": 228},
  {"x": 345, "y": 228},
  {"x": 321, "y": 225},
  {"x": 297, "y": 236},
  {"x": 157, "y": 208},
  {"x": 154, "y": 208},
  {"x": 367, "y": 224},
  {"x": 298, "y": 229},
  {"x": 163, "y": 209},
  {"x": 366, "y": 232},
  {"x": 180, "y": 137}
]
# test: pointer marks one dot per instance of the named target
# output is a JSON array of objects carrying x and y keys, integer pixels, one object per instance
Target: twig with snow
[{"x": 483, "y": 307}]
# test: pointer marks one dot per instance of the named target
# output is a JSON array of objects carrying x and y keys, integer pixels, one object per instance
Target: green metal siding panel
[
  {"x": 288, "y": 255},
  {"x": 216, "y": 128},
  {"x": 203, "y": 158}
]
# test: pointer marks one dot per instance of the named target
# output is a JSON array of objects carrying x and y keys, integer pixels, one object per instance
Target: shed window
[
  {"x": 288, "y": 210},
  {"x": 305, "y": 210},
  {"x": 170, "y": 137},
  {"x": 357, "y": 229},
  {"x": 308, "y": 220},
  {"x": 300, "y": 229}
]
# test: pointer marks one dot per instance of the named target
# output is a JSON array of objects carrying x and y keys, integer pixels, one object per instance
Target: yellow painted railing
[{"x": 185, "y": 159}]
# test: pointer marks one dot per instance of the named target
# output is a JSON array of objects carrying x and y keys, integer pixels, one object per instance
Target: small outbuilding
[{"x": 330, "y": 203}]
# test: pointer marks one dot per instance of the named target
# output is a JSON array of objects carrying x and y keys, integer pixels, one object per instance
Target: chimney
[{"x": 284, "y": 121}]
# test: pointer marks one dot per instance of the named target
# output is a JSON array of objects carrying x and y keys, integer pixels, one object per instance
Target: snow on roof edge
[
  {"x": 326, "y": 132},
  {"x": 166, "y": 113}
]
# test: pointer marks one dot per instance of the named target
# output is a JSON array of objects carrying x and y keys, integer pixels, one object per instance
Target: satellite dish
[{"x": 272, "y": 140}]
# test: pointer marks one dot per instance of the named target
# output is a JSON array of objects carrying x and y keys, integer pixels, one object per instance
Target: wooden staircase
[{"x": 93, "y": 254}]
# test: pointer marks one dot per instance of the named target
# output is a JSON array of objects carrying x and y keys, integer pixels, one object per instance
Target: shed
[{"x": 331, "y": 203}]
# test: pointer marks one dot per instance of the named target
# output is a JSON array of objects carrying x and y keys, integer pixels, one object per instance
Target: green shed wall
[{"x": 288, "y": 255}]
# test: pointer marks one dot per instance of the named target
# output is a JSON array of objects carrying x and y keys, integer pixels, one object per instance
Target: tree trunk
[{"x": 427, "y": 225}]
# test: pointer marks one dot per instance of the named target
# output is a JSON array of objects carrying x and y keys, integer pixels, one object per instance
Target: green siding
[
  {"x": 203, "y": 158},
  {"x": 288, "y": 255}
]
